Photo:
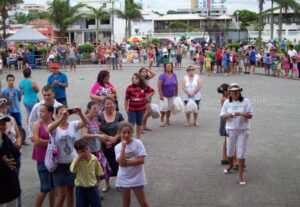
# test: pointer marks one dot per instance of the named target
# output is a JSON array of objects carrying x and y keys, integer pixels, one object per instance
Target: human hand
[
  {"x": 78, "y": 110},
  {"x": 161, "y": 98},
  {"x": 56, "y": 82},
  {"x": 10, "y": 162}
]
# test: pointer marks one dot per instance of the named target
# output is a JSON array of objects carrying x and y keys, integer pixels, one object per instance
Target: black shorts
[
  {"x": 219, "y": 62},
  {"x": 252, "y": 62}
]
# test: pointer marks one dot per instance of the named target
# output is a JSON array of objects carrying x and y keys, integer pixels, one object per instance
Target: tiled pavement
[{"x": 183, "y": 164}]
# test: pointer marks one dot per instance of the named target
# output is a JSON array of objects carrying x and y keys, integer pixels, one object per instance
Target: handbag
[{"x": 51, "y": 155}]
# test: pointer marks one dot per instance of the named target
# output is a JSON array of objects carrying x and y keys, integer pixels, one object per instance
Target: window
[
  {"x": 90, "y": 22},
  {"x": 105, "y": 21}
]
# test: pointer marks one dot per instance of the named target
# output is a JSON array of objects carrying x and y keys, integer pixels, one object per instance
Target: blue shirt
[
  {"x": 30, "y": 96},
  {"x": 60, "y": 92},
  {"x": 252, "y": 56},
  {"x": 13, "y": 94}
]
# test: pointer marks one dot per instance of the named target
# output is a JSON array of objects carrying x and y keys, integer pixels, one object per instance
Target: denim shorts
[
  {"x": 28, "y": 107},
  {"x": 136, "y": 117},
  {"x": 62, "y": 176},
  {"x": 87, "y": 196},
  {"x": 46, "y": 181}
]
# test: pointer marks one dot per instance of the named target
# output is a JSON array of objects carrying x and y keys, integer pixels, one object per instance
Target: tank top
[
  {"x": 28, "y": 91},
  {"x": 190, "y": 87},
  {"x": 39, "y": 152}
]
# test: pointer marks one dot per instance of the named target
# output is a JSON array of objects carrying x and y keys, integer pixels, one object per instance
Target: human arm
[
  {"x": 151, "y": 73},
  {"x": 18, "y": 143},
  {"x": 86, "y": 135},
  {"x": 83, "y": 119},
  {"x": 149, "y": 92},
  {"x": 199, "y": 84},
  {"x": 19, "y": 95},
  {"x": 122, "y": 159},
  {"x": 36, "y": 137},
  {"x": 52, "y": 127},
  {"x": 35, "y": 87},
  {"x": 138, "y": 161},
  {"x": 64, "y": 83},
  {"x": 176, "y": 90},
  {"x": 159, "y": 86},
  {"x": 75, "y": 164}
]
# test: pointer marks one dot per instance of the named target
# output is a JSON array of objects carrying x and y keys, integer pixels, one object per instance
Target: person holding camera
[
  {"x": 237, "y": 111},
  {"x": 64, "y": 133}
]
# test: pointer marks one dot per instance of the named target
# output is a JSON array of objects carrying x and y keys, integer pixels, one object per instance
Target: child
[
  {"x": 15, "y": 95},
  {"x": 286, "y": 64},
  {"x": 223, "y": 89},
  {"x": 88, "y": 172},
  {"x": 207, "y": 62},
  {"x": 267, "y": 62},
  {"x": 130, "y": 155},
  {"x": 200, "y": 60}
]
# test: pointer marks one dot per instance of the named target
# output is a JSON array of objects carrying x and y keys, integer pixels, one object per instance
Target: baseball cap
[
  {"x": 4, "y": 100},
  {"x": 4, "y": 118}
]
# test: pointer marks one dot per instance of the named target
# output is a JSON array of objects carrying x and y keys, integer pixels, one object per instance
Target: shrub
[
  {"x": 297, "y": 47},
  {"x": 233, "y": 45},
  {"x": 87, "y": 48}
]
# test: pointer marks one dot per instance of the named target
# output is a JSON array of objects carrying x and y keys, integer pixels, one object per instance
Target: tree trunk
[
  {"x": 280, "y": 24},
  {"x": 97, "y": 28},
  {"x": 3, "y": 27},
  {"x": 261, "y": 4},
  {"x": 129, "y": 28},
  {"x": 126, "y": 29},
  {"x": 272, "y": 19}
]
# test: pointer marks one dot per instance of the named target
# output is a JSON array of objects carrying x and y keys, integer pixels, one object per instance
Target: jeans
[
  {"x": 298, "y": 69},
  {"x": 18, "y": 117},
  {"x": 28, "y": 107},
  {"x": 86, "y": 197},
  {"x": 136, "y": 117},
  {"x": 113, "y": 62}
]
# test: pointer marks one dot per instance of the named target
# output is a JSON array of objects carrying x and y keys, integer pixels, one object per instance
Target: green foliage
[
  {"x": 20, "y": 18},
  {"x": 86, "y": 48},
  {"x": 156, "y": 12},
  {"x": 234, "y": 45},
  {"x": 297, "y": 47},
  {"x": 171, "y": 12},
  {"x": 63, "y": 14},
  {"x": 5, "y": 7},
  {"x": 42, "y": 50},
  {"x": 246, "y": 17},
  {"x": 178, "y": 25},
  {"x": 38, "y": 15}
]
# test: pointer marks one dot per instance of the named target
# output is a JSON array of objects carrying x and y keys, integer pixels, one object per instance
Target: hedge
[{"x": 87, "y": 48}]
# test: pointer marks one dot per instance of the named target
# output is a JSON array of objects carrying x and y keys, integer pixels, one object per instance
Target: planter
[
  {"x": 124, "y": 60},
  {"x": 135, "y": 61}
]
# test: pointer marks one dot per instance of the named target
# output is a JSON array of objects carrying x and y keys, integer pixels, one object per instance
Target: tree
[
  {"x": 285, "y": 4},
  {"x": 171, "y": 12},
  {"x": 246, "y": 17},
  {"x": 38, "y": 15},
  {"x": 132, "y": 11},
  {"x": 98, "y": 15},
  {"x": 20, "y": 18},
  {"x": 5, "y": 6},
  {"x": 260, "y": 20},
  {"x": 64, "y": 15}
]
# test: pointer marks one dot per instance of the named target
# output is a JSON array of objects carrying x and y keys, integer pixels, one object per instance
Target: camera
[{"x": 71, "y": 111}]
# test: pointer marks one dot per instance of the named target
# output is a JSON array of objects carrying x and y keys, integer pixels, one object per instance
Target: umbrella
[{"x": 135, "y": 39}]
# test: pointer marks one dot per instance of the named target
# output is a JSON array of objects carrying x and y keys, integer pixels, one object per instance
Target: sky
[{"x": 164, "y": 5}]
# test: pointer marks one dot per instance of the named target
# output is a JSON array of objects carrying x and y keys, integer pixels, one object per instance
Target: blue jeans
[
  {"x": 113, "y": 62},
  {"x": 28, "y": 107},
  {"x": 18, "y": 117},
  {"x": 86, "y": 197}
]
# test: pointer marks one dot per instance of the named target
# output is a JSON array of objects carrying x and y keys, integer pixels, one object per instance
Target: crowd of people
[{"x": 108, "y": 146}]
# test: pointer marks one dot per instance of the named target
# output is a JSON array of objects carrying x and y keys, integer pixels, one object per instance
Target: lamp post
[{"x": 238, "y": 24}]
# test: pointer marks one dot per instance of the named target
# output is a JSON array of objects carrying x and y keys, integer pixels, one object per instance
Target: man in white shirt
[
  {"x": 293, "y": 54},
  {"x": 48, "y": 95}
]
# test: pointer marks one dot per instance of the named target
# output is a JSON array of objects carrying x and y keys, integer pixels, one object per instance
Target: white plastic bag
[
  {"x": 178, "y": 105},
  {"x": 164, "y": 105},
  {"x": 191, "y": 106},
  {"x": 50, "y": 159},
  {"x": 155, "y": 113}
]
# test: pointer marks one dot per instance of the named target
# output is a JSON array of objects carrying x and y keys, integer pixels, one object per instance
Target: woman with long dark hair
[{"x": 237, "y": 111}]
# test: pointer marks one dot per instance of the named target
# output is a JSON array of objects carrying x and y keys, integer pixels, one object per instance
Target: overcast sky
[{"x": 165, "y": 5}]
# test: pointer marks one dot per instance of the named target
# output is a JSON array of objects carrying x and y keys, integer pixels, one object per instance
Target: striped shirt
[{"x": 136, "y": 96}]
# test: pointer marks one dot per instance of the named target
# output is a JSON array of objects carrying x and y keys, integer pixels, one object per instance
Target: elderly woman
[
  {"x": 168, "y": 89},
  {"x": 103, "y": 88},
  {"x": 109, "y": 121},
  {"x": 191, "y": 90},
  {"x": 237, "y": 111}
]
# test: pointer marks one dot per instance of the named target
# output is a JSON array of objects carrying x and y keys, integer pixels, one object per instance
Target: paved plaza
[{"x": 183, "y": 163}]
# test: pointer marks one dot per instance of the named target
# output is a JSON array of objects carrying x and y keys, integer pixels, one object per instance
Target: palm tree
[
  {"x": 98, "y": 14},
  {"x": 285, "y": 4},
  {"x": 260, "y": 20},
  {"x": 131, "y": 12},
  {"x": 64, "y": 15},
  {"x": 5, "y": 6}
]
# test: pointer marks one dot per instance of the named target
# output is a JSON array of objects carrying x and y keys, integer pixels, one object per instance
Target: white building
[
  {"x": 113, "y": 29},
  {"x": 290, "y": 26},
  {"x": 144, "y": 27}
]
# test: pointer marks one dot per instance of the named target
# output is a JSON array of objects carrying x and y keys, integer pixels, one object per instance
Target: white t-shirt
[
  {"x": 292, "y": 53},
  {"x": 65, "y": 142},
  {"x": 237, "y": 122},
  {"x": 131, "y": 176}
]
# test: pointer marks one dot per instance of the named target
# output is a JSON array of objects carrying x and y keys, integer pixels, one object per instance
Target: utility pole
[{"x": 112, "y": 21}]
